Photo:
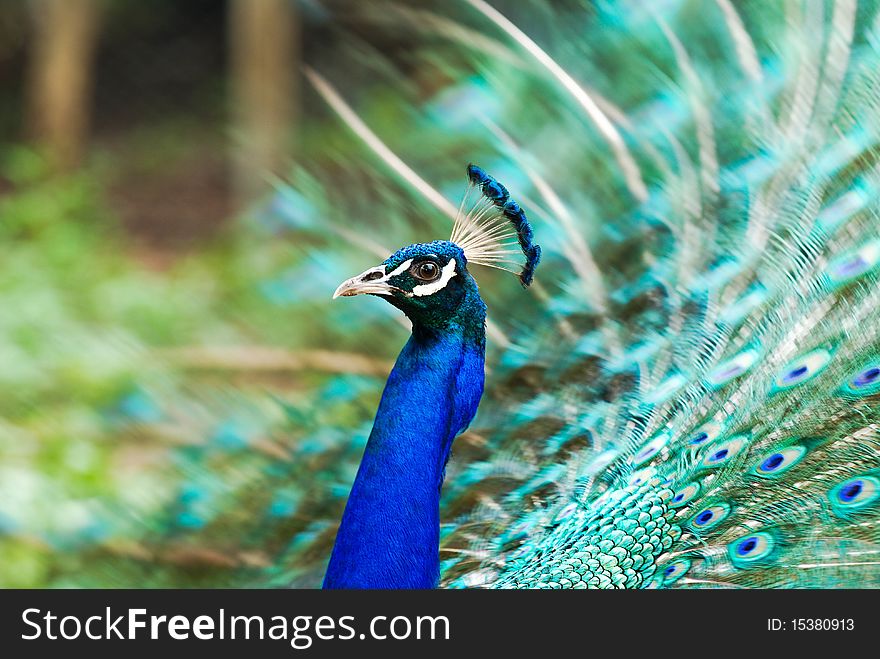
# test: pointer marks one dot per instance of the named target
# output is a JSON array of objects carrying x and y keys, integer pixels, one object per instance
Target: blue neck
[{"x": 389, "y": 535}]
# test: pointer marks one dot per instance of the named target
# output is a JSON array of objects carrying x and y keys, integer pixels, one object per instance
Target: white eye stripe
[
  {"x": 429, "y": 289},
  {"x": 399, "y": 269},
  {"x": 387, "y": 275}
]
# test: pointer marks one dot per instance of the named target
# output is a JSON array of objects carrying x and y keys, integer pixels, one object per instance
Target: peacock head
[{"x": 430, "y": 282}]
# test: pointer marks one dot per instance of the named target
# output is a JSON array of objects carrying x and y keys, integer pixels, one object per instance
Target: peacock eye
[
  {"x": 425, "y": 271},
  {"x": 778, "y": 462},
  {"x": 710, "y": 517},
  {"x": 723, "y": 452},
  {"x": 751, "y": 549},
  {"x": 804, "y": 368},
  {"x": 855, "y": 494},
  {"x": 684, "y": 495},
  {"x": 866, "y": 381},
  {"x": 675, "y": 571}
]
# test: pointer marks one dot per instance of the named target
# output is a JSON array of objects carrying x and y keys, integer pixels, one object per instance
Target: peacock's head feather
[{"x": 430, "y": 282}]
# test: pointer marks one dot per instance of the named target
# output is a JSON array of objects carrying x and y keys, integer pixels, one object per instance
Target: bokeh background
[
  {"x": 180, "y": 403},
  {"x": 184, "y": 184}
]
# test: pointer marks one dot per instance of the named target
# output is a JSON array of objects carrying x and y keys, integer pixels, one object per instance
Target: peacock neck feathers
[{"x": 389, "y": 535}]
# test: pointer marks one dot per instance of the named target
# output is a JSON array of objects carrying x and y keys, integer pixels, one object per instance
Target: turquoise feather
[{"x": 691, "y": 396}]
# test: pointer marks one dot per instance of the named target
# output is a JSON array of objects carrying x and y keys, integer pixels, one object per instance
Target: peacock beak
[{"x": 373, "y": 281}]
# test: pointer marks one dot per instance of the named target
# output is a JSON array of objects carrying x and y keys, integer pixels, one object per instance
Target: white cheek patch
[{"x": 429, "y": 289}]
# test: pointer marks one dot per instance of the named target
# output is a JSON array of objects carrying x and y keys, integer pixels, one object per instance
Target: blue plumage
[
  {"x": 389, "y": 535},
  {"x": 693, "y": 398}
]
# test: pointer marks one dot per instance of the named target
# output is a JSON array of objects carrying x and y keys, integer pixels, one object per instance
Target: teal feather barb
[{"x": 689, "y": 394}]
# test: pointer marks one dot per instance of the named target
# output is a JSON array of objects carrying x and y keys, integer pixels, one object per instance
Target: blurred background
[
  {"x": 184, "y": 184},
  {"x": 180, "y": 404}
]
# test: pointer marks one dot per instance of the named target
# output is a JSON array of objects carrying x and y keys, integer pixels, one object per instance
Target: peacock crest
[{"x": 493, "y": 229}]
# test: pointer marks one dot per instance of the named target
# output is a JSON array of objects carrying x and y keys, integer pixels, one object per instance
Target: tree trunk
[
  {"x": 60, "y": 77},
  {"x": 264, "y": 36}
]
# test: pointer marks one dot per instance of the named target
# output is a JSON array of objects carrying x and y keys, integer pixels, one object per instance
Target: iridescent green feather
[{"x": 692, "y": 396}]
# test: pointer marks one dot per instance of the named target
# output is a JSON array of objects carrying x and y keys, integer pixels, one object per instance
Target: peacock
[
  {"x": 683, "y": 390},
  {"x": 389, "y": 535}
]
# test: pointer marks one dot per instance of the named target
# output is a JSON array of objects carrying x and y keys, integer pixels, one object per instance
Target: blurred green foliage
[
  {"x": 121, "y": 462},
  {"x": 95, "y": 408}
]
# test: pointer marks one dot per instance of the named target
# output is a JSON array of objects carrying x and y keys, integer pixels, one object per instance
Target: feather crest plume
[{"x": 492, "y": 229}]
